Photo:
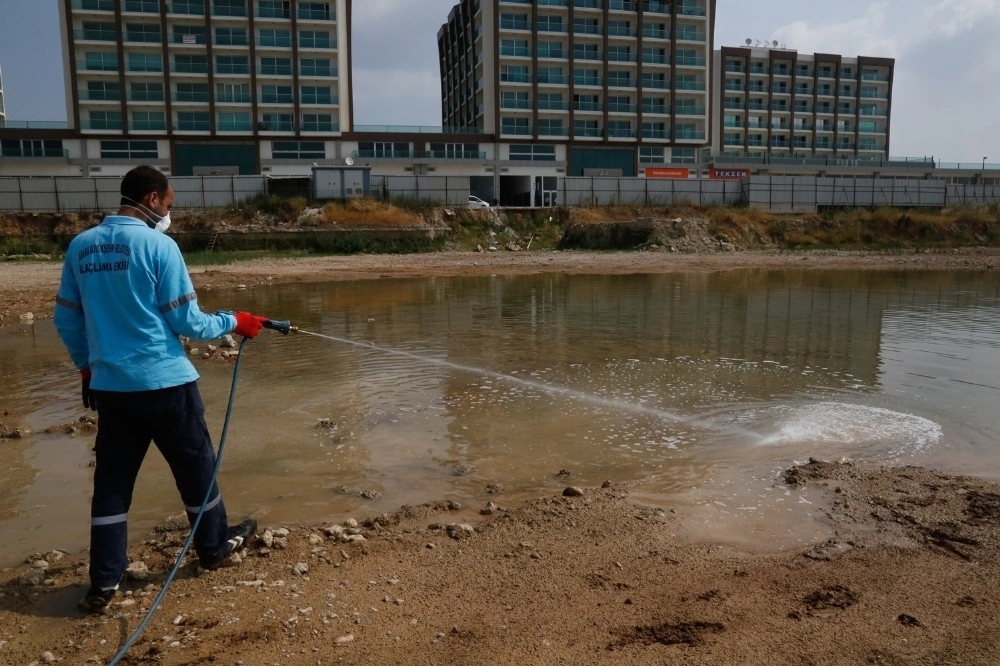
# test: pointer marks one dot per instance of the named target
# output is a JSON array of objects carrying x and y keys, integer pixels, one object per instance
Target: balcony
[
  {"x": 553, "y": 105},
  {"x": 615, "y": 107},
  {"x": 515, "y": 104},
  {"x": 95, "y": 5},
  {"x": 689, "y": 110},
  {"x": 95, "y": 35},
  {"x": 621, "y": 133},
  {"x": 698, "y": 86},
  {"x": 655, "y": 134},
  {"x": 586, "y": 106},
  {"x": 691, "y": 10},
  {"x": 690, "y": 135},
  {"x": 191, "y": 8},
  {"x": 688, "y": 61},
  {"x": 591, "y": 132}
]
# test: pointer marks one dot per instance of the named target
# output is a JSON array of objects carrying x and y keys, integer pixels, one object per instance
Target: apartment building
[
  {"x": 605, "y": 86},
  {"x": 778, "y": 102},
  {"x": 190, "y": 84}
]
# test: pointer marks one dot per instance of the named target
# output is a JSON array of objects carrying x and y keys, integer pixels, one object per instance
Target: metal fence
[
  {"x": 798, "y": 194},
  {"x": 22, "y": 194},
  {"x": 578, "y": 191},
  {"x": 447, "y": 190}
]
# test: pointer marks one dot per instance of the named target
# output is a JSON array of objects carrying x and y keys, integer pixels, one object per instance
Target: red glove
[
  {"x": 248, "y": 325},
  {"x": 89, "y": 399}
]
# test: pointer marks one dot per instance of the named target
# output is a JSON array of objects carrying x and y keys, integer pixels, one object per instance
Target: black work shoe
[
  {"x": 239, "y": 536},
  {"x": 97, "y": 599}
]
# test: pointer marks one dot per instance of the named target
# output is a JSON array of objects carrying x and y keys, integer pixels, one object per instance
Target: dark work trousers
[{"x": 173, "y": 418}]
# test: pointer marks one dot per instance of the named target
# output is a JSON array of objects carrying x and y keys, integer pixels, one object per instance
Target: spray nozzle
[{"x": 283, "y": 327}]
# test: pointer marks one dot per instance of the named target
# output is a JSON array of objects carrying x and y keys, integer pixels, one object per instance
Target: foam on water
[{"x": 855, "y": 427}]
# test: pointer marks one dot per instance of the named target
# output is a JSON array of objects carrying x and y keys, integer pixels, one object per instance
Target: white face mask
[{"x": 164, "y": 222}]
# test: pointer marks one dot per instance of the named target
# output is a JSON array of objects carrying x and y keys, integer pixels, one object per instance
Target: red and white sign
[
  {"x": 727, "y": 174},
  {"x": 190, "y": 39},
  {"x": 667, "y": 172}
]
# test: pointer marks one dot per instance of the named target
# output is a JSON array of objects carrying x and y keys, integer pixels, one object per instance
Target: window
[
  {"x": 99, "y": 5},
  {"x": 142, "y": 32},
  {"x": 147, "y": 6},
  {"x": 551, "y": 24},
  {"x": 148, "y": 120},
  {"x": 298, "y": 150},
  {"x": 31, "y": 148},
  {"x": 551, "y": 50},
  {"x": 586, "y": 52},
  {"x": 620, "y": 104},
  {"x": 273, "y": 9},
  {"x": 105, "y": 120},
  {"x": 317, "y": 122},
  {"x": 314, "y": 11},
  {"x": 145, "y": 62},
  {"x": 619, "y": 79},
  {"x": 275, "y": 37},
  {"x": 190, "y": 7},
  {"x": 316, "y": 95},
  {"x": 190, "y": 64},
  {"x": 517, "y": 126},
  {"x": 651, "y": 155},
  {"x": 277, "y": 122},
  {"x": 276, "y": 94},
  {"x": 315, "y": 39},
  {"x": 315, "y": 67},
  {"x": 517, "y": 48},
  {"x": 514, "y": 74},
  {"x": 227, "y": 93},
  {"x": 620, "y": 128},
  {"x": 103, "y": 91},
  {"x": 191, "y": 92},
  {"x": 514, "y": 99},
  {"x": 514, "y": 22},
  {"x": 234, "y": 121},
  {"x": 145, "y": 92},
  {"x": 619, "y": 53},
  {"x": 225, "y": 64},
  {"x": 455, "y": 150},
  {"x": 551, "y": 101},
  {"x": 276, "y": 66},
  {"x": 656, "y": 80},
  {"x": 551, "y": 127},
  {"x": 380, "y": 149},
  {"x": 620, "y": 28},
  {"x": 682, "y": 156},
  {"x": 533, "y": 152},
  {"x": 586, "y": 102},
  {"x": 654, "y": 105},
  {"x": 189, "y": 34},
  {"x": 551, "y": 75},
  {"x": 231, "y": 36},
  {"x": 586, "y": 26},
  {"x": 586, "y": 128},
  {"x": 193, "y": 121},
  {"x": 657, "y": 56},
  {"x": 101, "y": 61},
  {"x": 98, "y": 32},
  {"x": 586, "y": 77},
  {"x": 128, "y": 150},
  {"x": 229, "y": 7}
]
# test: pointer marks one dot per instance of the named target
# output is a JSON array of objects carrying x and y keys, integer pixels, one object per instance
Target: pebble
[
  {"x": 572, "y": 491},
  {"x": 351, "y": 522},
  {"x": 48, "y": 657},
  {"x": 300, "y": 569},
  {"x": 344, "y": 640}
]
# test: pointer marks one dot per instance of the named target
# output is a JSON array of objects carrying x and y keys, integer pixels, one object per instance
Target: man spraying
[{"x": 124, "y": 300}]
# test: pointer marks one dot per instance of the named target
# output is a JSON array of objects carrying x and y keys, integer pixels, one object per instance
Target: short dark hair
[{"x": 142, "y": 180}]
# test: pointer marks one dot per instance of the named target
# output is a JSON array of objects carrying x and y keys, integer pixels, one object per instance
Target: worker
[{"x": 124, "y": 300}]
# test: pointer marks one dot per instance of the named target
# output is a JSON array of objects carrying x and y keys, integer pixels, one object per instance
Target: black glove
[{"x": 89, "y": 399}]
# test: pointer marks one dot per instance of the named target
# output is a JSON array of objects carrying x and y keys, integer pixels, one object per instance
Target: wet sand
[{"x": 907, "y": 572}]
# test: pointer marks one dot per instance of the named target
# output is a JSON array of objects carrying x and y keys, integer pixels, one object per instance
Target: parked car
[{"x": 476, "y": 202}]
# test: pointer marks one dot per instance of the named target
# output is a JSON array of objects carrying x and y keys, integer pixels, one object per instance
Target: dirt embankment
[{"x": 910, "y": 575}]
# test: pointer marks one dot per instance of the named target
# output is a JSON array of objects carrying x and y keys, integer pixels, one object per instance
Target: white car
[{"x": 476, "y": 202}]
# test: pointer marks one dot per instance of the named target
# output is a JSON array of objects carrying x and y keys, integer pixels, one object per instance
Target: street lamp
[{"x": 984, "y": 163}]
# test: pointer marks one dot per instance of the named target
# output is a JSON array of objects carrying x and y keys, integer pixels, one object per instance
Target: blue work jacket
[{"x": 124, "y": 299}]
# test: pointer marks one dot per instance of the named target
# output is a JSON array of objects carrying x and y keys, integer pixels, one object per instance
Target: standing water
[{"x": 700, "y": 388}]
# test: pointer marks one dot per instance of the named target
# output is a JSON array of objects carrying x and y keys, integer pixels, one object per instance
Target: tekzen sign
[{"x": 727, "y": 174}]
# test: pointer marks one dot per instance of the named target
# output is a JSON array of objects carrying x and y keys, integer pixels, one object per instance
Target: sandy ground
[{"x": 909, "y": 574}]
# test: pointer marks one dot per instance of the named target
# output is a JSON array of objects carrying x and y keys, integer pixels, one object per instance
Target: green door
[{"x": 216, "y": 155}]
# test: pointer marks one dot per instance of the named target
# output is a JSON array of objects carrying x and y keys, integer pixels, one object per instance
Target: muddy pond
[{"x": 698, "y": 389}]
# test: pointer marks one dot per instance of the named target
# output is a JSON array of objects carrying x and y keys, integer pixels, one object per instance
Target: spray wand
[{"x": 283, "y": 327}]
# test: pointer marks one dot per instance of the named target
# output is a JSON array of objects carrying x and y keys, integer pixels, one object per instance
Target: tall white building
[
  {"x": 3, "y": 114},
  {"x": 208, "y": 85},
  {"x": 604, "y": 85}
]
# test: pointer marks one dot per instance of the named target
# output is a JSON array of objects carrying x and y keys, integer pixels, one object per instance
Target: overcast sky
[{"x": 946, "y": 95}]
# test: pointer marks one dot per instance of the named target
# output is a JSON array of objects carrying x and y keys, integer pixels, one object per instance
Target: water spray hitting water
[{"x": 663, "y": 414}]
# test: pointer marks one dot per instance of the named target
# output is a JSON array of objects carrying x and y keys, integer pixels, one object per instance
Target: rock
[
  {"x": 48, "y": 657},
  {"x": 459, "y": 531},
  {"x": 572, "y": 491},
  {"x": 228, "y": 342},
  {"x": 828, "y": 551},
  {"x": 351, "y": 522},
  {"x": 39, "y": 564},
  {"x": 300, "y": 569},
  {"x": 137, "y": 571},
  {"x": 344, "y": 640},
  {"x": 14, "y": 432},
  {"x": 489, "y": 509},
  {"x": 27, "y": 317}
]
